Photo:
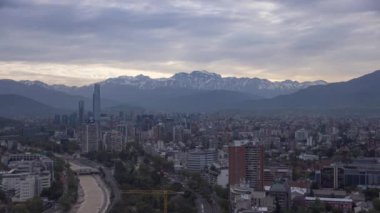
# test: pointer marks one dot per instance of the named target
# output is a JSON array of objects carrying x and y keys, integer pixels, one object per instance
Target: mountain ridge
[
  {"x": 39, "y": 92},
  {"x": 204, "y": 80},
  {"x": 358, "y": 93},
  {"x": 17, "y": 106},
  {"x": 200, "y": 80},
  {"x": 361, "y": 92},
  {"x": 46, "y": 94}
]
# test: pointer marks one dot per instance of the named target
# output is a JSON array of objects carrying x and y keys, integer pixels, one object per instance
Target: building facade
[
  {"x": 90, "y": 137},
  {"x": 246, "y": 164},
  {"x": 198, "y": 160},
  {"x": 361, "y": 172}
]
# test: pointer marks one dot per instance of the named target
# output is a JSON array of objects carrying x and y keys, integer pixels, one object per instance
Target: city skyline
[
  {"x": 82, "y": 42},
  {"x": 190, "y": 106}
]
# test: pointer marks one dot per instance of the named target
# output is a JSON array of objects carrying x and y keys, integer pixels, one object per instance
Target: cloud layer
[{"x": 81, "y": 41}]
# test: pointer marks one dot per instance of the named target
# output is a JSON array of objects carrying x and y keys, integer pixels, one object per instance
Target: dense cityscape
[
  {"x": 134, "y": 161},
  {"x": 189, "y": 106}
]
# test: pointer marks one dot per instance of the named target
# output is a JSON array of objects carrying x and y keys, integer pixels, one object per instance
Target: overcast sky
[{"x": 81, "y": 41}]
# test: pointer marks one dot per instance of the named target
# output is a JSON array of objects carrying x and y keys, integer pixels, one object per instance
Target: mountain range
[
  {"x": 359, "y": 93},
  {"x": 196, "y": 80},
  {"x": 40, "y": 92},
  {"x": 16, "y": 106},
  {"x": 198, "y": 91}
]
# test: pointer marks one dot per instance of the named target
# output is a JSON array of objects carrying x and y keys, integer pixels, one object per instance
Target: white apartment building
[
  {"x": 24, "y": 186},
  {"x": 90, "y": 138},
  {"x": 197, "y": 160}
]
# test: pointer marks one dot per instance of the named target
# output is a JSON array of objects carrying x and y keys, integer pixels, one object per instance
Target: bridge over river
[{"x": 83, "y": 170}]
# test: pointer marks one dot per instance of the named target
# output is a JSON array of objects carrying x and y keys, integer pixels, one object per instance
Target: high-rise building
[
  {"x": 301, "y": 135},
  {"x": 90, "y": 137},
  {"x": 113, "y": 141},
  {"x": 96, "y": 102},
  {"x": 246, "y": 164},
  {"x": 81, "y": 112},
  {"x": 237, "y": 163},
  {"x": 281, "y": 195}
]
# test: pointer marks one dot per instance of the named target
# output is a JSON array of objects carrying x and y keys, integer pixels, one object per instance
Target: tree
[
  {"x": 3, "y": 197},
  {"x": 54, "y": 192},
  {"x": 371, "y": 194},
  {"x": 64, "y": 201},
  {"x": 317, "y": 207},
  {"x": 20, "y": 208},
  {"x": 278, "y": 206},
  {"x": 181, "y": 204},
  {"x": 35, "y": 205},
  {"x": 176, "y": 186},
  {"x": 335, "y": 210},
  {"x": 144, "y": 207},
  {"x": 376, "y": 204},
  {"x": 221, "y": 192},
  {"x": 328, "y": 207}
]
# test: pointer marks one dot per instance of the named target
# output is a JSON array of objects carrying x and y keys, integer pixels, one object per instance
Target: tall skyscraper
[
  {"x": 81, "y": 112},
  {"x": 96, "y": 102},
  {"x": 246, "y": 164}
]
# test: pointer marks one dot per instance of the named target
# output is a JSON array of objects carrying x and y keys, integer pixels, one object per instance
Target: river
[{"x": 96, "y": 197}]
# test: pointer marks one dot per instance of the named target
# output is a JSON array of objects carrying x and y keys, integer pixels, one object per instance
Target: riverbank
[
  {"x": 94, "y": 196},
  {"x": 103, "y": 186}
]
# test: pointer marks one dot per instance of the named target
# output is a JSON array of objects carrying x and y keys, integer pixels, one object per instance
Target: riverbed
[{"x": 96, "y": 197}]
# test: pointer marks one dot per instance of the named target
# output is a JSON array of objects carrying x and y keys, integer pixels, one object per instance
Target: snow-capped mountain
[
  {"x": 198, "y": 90},
  {"x": 196, "y": 80},
  {"x": 203, "y": 80}
]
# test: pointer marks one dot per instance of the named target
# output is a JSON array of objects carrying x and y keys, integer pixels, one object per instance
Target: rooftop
[{"x": 328, "y": 199}]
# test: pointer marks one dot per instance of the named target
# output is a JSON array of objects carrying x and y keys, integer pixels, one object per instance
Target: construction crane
[{"x": 163, "y": 192}]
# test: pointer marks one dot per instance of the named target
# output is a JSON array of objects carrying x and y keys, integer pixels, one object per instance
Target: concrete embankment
[{"x": 94, "y": 195}]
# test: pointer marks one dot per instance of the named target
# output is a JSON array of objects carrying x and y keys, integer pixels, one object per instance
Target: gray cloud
[{"x": 296, "y": 39}]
